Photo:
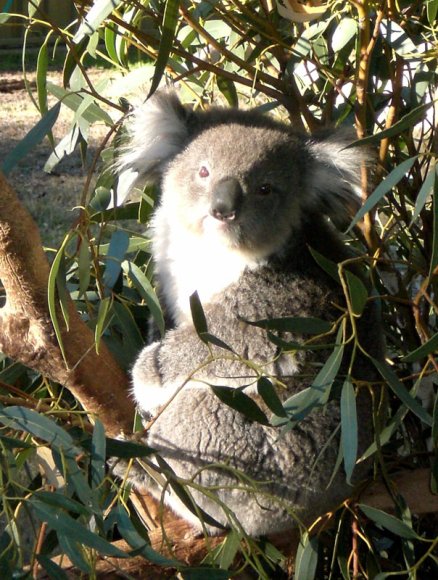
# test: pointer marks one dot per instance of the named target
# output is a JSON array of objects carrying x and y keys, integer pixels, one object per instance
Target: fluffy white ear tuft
[
  {"x": 156, "y": 132},
  {"x": 335, "y": 179}
]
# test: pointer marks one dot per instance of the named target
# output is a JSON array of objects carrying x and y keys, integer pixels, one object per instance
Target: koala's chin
[{"x": 244, "y": 202}]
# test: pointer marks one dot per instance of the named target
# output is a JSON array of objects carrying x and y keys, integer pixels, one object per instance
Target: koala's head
[{"x": 238, "y": 174}]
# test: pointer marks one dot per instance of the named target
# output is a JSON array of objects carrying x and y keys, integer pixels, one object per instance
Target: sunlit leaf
[
  {"x": 382, "y": 189},
  {"x": 39, "y": 426},
  {"x": 170, "y": 22}
]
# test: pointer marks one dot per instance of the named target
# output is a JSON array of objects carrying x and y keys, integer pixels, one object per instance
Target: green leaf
[
  {"x": 95, "y": 17},
  {"x": 101, "y": 200},
  {"x": 93, "y": 112},
  {"x": 349, "y": 428},
  {"x": 52, "y": 287},
  {"x": 31, "y": 140},
  {"x": 39, "y": 426},
  {"x": 402, "y": 393},
  {"x": 406, "y": 122},
  {"x": 146, "y": 291},
  {"x": 64, "y": 524},
  {"x": 170, "y": 22},
  {"x": 389, "y": 522},
  {"x": 113, "y": 264},
  {"x": 301, "y": 404},
  {"x": 397, "y": 38},
  {"x": 382, "y": 189},
  {"x": 198, "y": 316},
  {"x": 331, "y": 268},
  {"x": 240, "y": 402},
  {"x": 432, "y": 11},
  {"x": 298, "y": 324},
  {"x": 426, "y": 190},
  {"x": 98, "y": 453},
  {"x": 65, "y": 147},
  {"x": 183, "y": 495},
  {"x": 102, "y": 316},
  {"x": 74, "y": 54},
  {"x": 229, "y": 549},
  {"x": 41, "y": 76},
  {"x": 75, "y": 552},
  {"x": 422, "y": 351},
  {"x": 54, "y": 572},
  {"x": 228, "y": 89},
  {"x": 136, "y": 541},
  {"x": 57, "y": 500},
  {"x": 344, "y": 32},
  {"x": 269, "y": 395},
  {"x": 306, "y": 558},
  {"x": 125, "y": 449},
  {"x": 84, "y": 266},
  {"x": 357, "y": 291}
]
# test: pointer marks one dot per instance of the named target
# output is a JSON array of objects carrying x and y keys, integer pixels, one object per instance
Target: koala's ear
[
  {"x": 156, "y": 131},
  {"x": 335, "y": 176}
]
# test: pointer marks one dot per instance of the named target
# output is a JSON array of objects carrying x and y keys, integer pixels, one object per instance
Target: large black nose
[{"x": 226, "y": 199}]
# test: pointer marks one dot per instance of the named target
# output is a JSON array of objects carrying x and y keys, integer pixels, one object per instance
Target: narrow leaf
[
  {"x": 140, "y": 545},
  {"x": 402, "y": 393},
  {"x": 32, "y": 139},
  {"x": 39, "y": 426},
  {"x": 357, "y": 291},
  {"x": 349, "y": 428},
  {"x": 306, "y": 558},
  {"x": 198, "y": 316},
  {"x": 297, "y": 324},
  {"x": 170, "y": 22},
  {"x": 269, "y": 395},
  {"x": 422, "y": 351},
  {"x": 240, "y": 402},
  {"x": 98, "y": 452},
  {"x": 64, "y": 524},
  {"x": 382, "y": 189},
  {"x": 389, "y": 522}
]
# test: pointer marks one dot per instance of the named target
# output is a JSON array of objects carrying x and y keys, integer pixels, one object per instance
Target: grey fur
[{"x": 250, "y": 262}]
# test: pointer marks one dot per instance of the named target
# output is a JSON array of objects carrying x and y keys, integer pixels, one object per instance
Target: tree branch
[{"x": 26, "y": 331}]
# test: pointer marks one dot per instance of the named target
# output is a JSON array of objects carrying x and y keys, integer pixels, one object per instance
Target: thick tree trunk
[{"x": 26, "y": 331}]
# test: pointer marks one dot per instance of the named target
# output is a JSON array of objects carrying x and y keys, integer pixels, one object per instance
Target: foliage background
[{"x": 372, "y": 64}]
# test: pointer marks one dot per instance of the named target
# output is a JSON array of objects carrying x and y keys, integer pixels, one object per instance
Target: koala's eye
[
  {"x": 265, "y": 189},
  {"x": 203, "y": 172}
]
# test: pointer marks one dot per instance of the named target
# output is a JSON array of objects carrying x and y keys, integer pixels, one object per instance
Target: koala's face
[{"x": 243, "y": 184}]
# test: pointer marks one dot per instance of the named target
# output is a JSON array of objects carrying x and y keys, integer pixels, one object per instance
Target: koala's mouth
[{"x": 227, "y": 229}]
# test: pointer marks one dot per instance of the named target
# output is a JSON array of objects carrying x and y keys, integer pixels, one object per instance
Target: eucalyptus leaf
[
  {"x": 389, "y": 522},
  {"x": 349, "y": 428},
  {"x": 31, "y": 140},
  {"x": 74, "y": 530},
  {"x": 382, "y": 189},
  {"x": 238, "y": 401}
]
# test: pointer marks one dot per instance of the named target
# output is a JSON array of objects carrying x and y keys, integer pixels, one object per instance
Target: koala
[{"x": 244, "y": 199}]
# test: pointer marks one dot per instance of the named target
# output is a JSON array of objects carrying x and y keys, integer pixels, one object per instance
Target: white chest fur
[{"x": 187, "y": 262}]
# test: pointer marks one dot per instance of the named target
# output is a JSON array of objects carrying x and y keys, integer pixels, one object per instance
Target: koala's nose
[{"x": 226, "y": 199}]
